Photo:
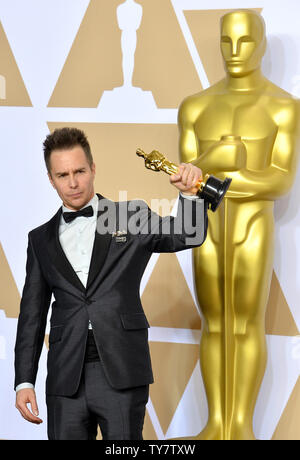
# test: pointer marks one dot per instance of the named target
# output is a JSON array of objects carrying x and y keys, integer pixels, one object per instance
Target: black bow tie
[{"x": 86, "y": 212}]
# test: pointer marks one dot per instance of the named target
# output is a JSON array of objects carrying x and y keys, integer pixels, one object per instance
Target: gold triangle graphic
[
  {"x": 279, "y": 319},
  {"x": 205, "y": 29},
  {"x": 12, "y": 88},
  {"x": 9, "y": 294},
  {"x": 94, "y": 63},
  {"x": 117, "y": 166},
  {"x": 173, "y": 365},
  {"x": 99, "y": 434},
  {"x": 163, "y": 63},
  {"x": 148, "y": 431},
  {"x": 288, "y": 428},
  {"x": 167, "y": 299}
]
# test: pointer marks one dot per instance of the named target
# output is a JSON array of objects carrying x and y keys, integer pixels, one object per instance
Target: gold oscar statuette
[{"x": 211, "y": 189}]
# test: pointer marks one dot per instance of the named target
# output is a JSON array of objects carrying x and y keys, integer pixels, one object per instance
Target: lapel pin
[{"x": 120, "y": 236}]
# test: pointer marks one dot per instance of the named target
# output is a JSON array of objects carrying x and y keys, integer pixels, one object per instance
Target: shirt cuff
[
  {"x": 24, "y": 386},
  {"x": 190, "y": 197}
]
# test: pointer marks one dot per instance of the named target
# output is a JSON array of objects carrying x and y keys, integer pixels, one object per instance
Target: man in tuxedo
[{"x": 91, "y": 256}]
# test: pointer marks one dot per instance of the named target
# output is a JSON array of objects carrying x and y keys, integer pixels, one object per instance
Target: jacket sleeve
[
  {"x": 171, "y": 234},
  {"x": 35, "y": 302}
]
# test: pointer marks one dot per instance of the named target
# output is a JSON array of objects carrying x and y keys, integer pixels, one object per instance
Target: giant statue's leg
[
  {"x": 251, "y": 278},
  {"x": 208, "y": 273}
]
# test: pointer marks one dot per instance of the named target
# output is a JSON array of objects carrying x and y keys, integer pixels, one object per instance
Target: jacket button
[{"x": 88, "y": 301}]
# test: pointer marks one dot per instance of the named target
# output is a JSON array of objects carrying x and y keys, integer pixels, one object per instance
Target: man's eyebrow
[{"x": 66, "y": 172}]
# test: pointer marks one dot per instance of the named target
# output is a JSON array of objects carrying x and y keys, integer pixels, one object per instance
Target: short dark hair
[{"x": 63, "y": 139}]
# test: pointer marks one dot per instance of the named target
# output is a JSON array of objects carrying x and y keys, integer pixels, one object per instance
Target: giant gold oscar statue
[{"x": 233, "y": 268}]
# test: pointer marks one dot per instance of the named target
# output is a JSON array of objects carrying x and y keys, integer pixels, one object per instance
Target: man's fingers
[
  {"x": 34, "y": 406},
  {"x": 187, "y": 178},
  {"x": 191, "y": 174},
  {"x": 177, "y": 177},
  {"x": 25, "y": 397},
  {"x": 185, "y": 173},
  {"x": 25, "y": 412}
]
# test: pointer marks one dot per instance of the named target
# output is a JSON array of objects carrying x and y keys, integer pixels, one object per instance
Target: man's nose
[{"x": 72, "y": 181}]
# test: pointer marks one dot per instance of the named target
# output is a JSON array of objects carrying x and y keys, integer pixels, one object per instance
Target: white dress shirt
[{"x": 77, "y": 240}]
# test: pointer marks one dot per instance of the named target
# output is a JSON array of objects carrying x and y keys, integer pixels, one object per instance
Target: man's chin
[{"x": 75, "y": 202}]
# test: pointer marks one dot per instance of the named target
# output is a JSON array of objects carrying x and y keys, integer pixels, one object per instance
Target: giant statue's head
[{"x": 243, "y": 41}]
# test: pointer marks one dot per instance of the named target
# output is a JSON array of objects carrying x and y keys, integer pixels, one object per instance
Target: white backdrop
[{"x": 40, "y": 34}]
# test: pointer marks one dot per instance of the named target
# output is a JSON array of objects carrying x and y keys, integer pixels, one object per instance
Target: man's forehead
[
  {"x": 61, "y": 162},
  {"x": 74, "y": 155}
]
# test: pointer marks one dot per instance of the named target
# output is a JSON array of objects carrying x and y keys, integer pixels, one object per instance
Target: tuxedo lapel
[
  {"x": 58, "y": 257},
  {"x": 57, "y": 254},
  {"x": 100, "y": 251}
]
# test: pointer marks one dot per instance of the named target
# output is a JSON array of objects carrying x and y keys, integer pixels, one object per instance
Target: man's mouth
[{"x": 76, "y": 195}]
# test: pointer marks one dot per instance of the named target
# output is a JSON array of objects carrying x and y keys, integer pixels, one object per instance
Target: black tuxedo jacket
[{"x": 111, "y": 299}]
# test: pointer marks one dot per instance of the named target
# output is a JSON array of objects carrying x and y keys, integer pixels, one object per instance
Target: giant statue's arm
[
  {"x": 189, "y": 151},
  {"x": 216, "y": 158},
  {"x": 188, "y": 145},
  {"x": 277, "y": 179}
]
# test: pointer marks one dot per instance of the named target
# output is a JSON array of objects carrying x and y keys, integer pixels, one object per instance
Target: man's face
[
  {"x": 242, "y": 43},
  {"x": 72, "y": 177}
]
